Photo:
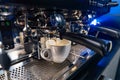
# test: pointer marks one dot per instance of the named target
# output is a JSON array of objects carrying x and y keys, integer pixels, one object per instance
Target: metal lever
[
  {"x": 109, "y": 31},
  {"x": 93, "y": 43}
]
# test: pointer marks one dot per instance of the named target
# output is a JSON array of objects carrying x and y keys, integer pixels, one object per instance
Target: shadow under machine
[{"x": 26, "y": 25}]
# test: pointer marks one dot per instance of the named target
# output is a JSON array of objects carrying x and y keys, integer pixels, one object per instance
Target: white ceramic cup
[{"x": 56, "y": 50}]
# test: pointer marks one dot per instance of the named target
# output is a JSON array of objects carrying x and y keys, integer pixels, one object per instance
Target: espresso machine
[{"x": 26, "y": 25}]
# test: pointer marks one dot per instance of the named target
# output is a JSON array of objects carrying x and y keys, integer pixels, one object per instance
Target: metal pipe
[
  {"x": 108, "y": 31},
  {"x": 93, "y": 43}
]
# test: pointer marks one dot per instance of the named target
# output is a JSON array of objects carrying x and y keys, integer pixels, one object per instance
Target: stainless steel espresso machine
[{"x": 33, "y": 34}]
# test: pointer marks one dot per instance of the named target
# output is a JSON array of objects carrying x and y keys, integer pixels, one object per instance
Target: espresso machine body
[{"x": 29, "y": 25}]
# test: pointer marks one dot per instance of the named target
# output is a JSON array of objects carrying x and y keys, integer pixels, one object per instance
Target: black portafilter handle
[
  {"x": 5, "y": 61},
  {"x": 108, "y": 31},
  {"x": 97, "y": 45}
]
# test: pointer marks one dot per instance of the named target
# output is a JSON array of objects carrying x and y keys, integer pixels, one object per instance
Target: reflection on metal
[
  {"x": 5, "y": 13},
  {"x": 41, "y": 70},
  {"x": 74, "y": 68},
  {"x": 19, "y": 73},
  {"x": 44, "y": 70}
]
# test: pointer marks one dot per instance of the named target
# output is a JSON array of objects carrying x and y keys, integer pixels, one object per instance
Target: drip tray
[
  {"x": 43, "y": 70},
  {"x": 37, "y": 70}
]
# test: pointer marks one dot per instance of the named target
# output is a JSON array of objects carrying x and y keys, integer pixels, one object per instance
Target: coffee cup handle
[{"x": 46, "y": 54}]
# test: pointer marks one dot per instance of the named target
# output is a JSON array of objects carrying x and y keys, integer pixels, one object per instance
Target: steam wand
[{"x": 98, "y": 45}]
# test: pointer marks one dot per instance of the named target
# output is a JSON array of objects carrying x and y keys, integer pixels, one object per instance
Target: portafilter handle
[{"x": 98, "y": 45}]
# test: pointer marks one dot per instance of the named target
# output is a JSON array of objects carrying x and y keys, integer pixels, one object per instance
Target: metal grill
[
  {"x": 20, "y": 73},
  {"x": 36, "y": 70},
  {"x": 2, "y": 77},
  {"x": 43, "y": 70}
]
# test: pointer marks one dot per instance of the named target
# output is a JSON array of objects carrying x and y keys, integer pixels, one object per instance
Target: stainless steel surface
[
  {"x": 45, "y": 70},
  {"x": 7, "y": 76},
  {"x": 35, "y": 70},
  {"x": 17, "y": 52},
  {"x": 19, "y": 73}
]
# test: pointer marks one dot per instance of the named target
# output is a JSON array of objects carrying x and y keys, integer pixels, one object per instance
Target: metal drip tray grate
[
  {"x": 2, "y": 77},
  {"x": 36, "y": 70},
  {"x": 44, "y": 70},
  {"x": 20, "y": 74}
]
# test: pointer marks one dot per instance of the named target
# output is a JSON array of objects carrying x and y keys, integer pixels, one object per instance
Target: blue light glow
[
  {"x": 89, "y": 16},
  {"x": 94, "y": 22}
]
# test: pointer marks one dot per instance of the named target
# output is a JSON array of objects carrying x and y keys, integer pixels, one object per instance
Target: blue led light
[
  {"x": 94, "y": 22},
  {"x": 89, "y": 16}
]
